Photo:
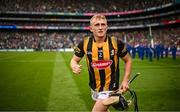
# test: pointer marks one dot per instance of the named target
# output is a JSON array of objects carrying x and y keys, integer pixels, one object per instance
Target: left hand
[{"x": 124, "y": 86}]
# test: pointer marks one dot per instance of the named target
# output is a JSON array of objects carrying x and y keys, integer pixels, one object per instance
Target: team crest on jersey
[
  {"x": 112, "y": 52},
  {"x": 101, "y": 64}
]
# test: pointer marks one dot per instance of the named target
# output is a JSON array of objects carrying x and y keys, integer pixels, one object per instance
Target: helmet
[{"x": 123, "y": 103}]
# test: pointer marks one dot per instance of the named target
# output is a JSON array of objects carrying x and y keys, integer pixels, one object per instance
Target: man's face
[{"x": 99, "y": 27}]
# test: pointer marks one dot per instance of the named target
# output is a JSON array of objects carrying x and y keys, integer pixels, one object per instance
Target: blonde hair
[{"x": 97, "y": 16}]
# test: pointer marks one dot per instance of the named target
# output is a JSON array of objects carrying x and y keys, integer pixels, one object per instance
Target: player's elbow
[{"x": 127, "y": 59}]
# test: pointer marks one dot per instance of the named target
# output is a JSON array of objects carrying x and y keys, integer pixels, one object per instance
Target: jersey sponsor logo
[{"x": 101, "y": 64}]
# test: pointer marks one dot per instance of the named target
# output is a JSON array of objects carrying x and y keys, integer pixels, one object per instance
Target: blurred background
[{"x": 36, "y": 44}]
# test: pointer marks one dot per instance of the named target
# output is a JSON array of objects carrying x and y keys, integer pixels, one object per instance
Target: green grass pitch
[{"x": 43, "y": 81}]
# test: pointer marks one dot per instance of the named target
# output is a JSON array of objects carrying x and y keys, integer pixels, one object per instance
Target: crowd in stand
[
  {"x": 39, "y": 41},
  {"x": 165, "y": 41},
  {"x": 140, "y": 40},
  {"x": 79, "y": 6}
]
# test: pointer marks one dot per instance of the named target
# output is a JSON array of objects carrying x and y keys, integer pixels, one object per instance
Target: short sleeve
[
  {"x": 122, "y": 50},
  {"x": 78, "y": 50}
]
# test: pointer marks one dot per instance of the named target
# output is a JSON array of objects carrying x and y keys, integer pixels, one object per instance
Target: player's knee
[{"x": 99, "y": 107}]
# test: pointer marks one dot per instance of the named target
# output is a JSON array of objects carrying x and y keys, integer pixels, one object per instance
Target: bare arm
[
  {"x": 76, "y": 68},
  {"x": 128, "y": 66}
]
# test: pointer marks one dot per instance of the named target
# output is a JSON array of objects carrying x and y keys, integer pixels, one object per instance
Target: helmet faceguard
[{"x": 122, "y": 101}]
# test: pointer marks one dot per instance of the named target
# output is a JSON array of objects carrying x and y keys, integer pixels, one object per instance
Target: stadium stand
[
  {"x": 60, "y": 24},
  {"x": 79, "y": 6}
]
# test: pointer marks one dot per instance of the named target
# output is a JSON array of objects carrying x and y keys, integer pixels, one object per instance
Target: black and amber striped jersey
[{"x": 102, "y": 62}]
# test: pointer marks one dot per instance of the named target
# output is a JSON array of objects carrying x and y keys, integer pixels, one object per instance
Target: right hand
[
  {"x": 123, "y": 87},
  {"x": 76, "y": 68}
]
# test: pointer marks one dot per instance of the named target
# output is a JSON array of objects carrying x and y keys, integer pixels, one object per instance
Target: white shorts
[{"x": 100, "y": 95}]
